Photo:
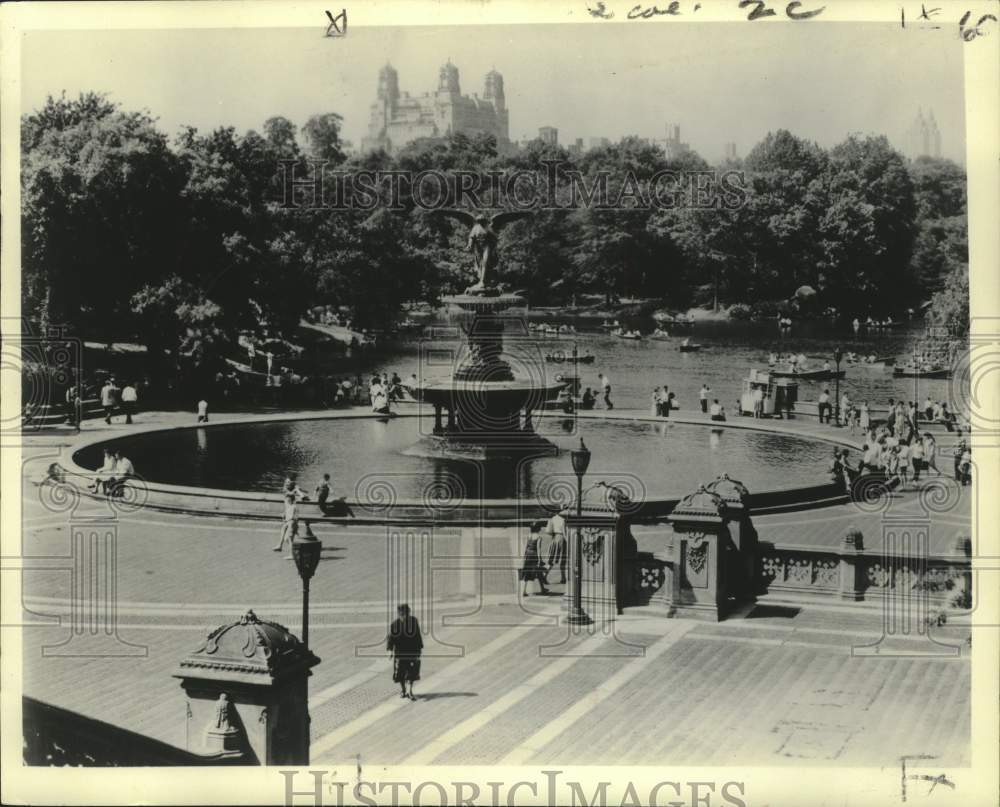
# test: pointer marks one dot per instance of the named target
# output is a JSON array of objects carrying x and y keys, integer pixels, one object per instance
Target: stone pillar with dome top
[
  {"x": 743, "y": 549},
  {"x": 247, "y": 694},
  {"x": 697, "y": 585}
]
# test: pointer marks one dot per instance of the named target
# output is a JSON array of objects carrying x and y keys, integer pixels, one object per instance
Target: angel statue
[{"x": 482, "y": 244}]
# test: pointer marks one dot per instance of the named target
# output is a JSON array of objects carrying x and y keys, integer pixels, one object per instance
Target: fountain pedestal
[{"x": 483, "y": 410}]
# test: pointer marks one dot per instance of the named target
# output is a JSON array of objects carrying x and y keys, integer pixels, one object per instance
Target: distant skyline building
[
  {"x": 598, "y": 142},
  {"x": 730, "y": 151},
  {"x": 924, "y": 137},
  {"x": 397, "y": 118},
  {"x": 549, "y": 135},
  {"x": 672, "y": 144}
]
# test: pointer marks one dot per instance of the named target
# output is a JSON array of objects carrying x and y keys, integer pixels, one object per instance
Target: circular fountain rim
[{"x": 233, "y": 503}]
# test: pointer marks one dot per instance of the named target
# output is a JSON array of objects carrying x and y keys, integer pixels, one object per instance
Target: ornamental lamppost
[
  {"x": 305, "y": 551},
  {"x": 580, "y": 458},
  {"x": 838, "y": 355}
]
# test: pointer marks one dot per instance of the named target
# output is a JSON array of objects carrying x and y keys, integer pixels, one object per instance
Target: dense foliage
[{"x": 184, "y": 244}]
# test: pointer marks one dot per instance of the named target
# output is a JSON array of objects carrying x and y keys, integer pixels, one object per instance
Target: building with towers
[
  {"x": 397, "y": 118},
  {"x": 923, "y": 137},
  {"x": 672, "y": 144}
]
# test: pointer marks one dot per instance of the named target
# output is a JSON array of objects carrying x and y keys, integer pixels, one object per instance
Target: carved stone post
[
  {"x": 742, "y": 552},
  {"x": 852, "y": 568},
  {"x": 699, "y": 522},
  {"x": 607, "y": 550},
  {"x": 247, "y": 694}
]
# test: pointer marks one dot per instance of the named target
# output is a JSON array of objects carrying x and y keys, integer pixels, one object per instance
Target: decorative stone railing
[
  {"x": 853, "y": 573},
  {"x": 848, "y": 573}
]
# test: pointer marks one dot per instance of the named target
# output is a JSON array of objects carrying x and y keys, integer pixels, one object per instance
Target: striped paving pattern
[{"x": 780, "y": 688}]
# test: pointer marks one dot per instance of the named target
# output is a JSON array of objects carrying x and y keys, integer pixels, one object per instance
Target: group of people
[
  {"x": 294, "y": 495},
  {"x": 663, "y": 402},
  {"x": 113, "y": 473},
  {"x": 872, "y": 323},
  {"x": 796, "y": 361},
  {"x": 114, "y": 397},
  {"x": 900, "y": 416},
  {"x": 347, "y": 391},
  {"x": 383, "y": 391},
  {"x": 901, "y": 455},
  {"x": 532, "y": 566}
]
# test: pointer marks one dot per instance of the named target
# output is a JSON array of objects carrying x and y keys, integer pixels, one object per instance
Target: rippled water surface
[{"x": 661, "y": 457}]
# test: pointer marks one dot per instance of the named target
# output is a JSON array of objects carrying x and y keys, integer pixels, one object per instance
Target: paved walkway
[{"x": 503, "y": 680}]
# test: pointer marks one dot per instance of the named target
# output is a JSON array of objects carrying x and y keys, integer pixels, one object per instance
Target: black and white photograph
[{"x": 586, "y": 403}]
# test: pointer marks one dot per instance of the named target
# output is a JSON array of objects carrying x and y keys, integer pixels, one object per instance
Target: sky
[{"x": 719, "y": 82}]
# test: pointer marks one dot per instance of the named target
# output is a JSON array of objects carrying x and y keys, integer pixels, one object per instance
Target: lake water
[
  {"x": 664, "y": 458},
  {"x": 730, "y": 350}
]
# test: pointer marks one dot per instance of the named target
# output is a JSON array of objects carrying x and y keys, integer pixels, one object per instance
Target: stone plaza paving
[{"x": 502, "y": 680}]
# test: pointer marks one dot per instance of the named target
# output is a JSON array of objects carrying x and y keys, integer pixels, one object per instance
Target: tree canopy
[{"x": 184, "y": 244}]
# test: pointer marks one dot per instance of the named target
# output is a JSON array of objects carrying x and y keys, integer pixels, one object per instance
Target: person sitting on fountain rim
[
  {"x": 323, "y": 492},
  {"x": 123, "y": 471},
  {"x": 105, "y": 473},
  {"x": 715, "y": 410},
  {"x": 587, "y": 401}
]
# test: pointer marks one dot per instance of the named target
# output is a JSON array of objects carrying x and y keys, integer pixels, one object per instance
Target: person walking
[
  {"x": 864, "y": 417},
  {"x": 965, "y": 466},
  {"x": 930, "y": 453},
  {"x": 703, "y": 398},
  {"x": 903, "y": 453},
  {"x": 606, "y": 386},
  {"x": 836, "y": 469},
  {"x": 130, "y": 401},
  {"x": 531, "y": 566},
  {"x": 289, "y": 524},
  {"x": 556, "y": 528},
  {"x": 71, "y": 406},
  {"x": 957, "y": 457},
  {"x": 917, "y": 457},
  {"x": 824, "y": 406},
  {"x": 405, "y": 644},
  {"x": 108, "y": 399}
]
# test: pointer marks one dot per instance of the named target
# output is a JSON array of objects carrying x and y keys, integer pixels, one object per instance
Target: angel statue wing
[
  {"x": 463, "y": 216},
  {"x": 501, "y": 220}
]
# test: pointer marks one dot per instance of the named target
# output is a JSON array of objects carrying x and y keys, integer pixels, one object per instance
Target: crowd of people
[
  {"x": 895, "y": 449},
  {"x": 901, "y": 415}
]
